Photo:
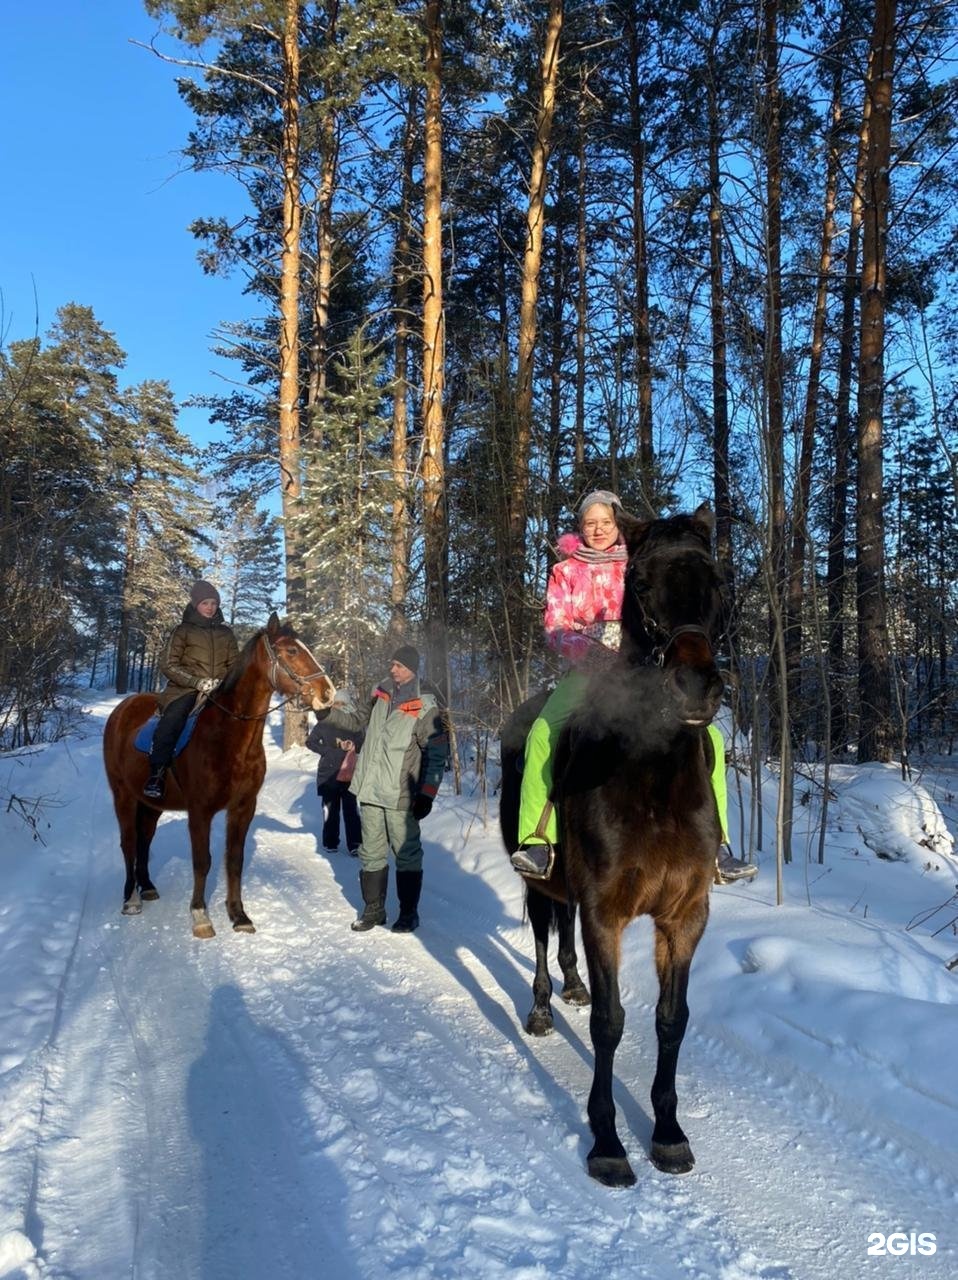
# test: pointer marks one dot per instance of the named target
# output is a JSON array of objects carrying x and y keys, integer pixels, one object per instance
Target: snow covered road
[{"x": 310, "y": 1102}]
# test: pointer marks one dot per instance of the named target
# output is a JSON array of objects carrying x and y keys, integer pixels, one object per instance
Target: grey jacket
[{"x": 404, "y": 751}]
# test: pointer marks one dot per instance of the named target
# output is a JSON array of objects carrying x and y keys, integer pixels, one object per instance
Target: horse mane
[{"x": 232, "y": 677}]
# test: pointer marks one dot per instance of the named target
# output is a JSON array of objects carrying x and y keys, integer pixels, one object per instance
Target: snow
[{"x": 310, "y": 1102}]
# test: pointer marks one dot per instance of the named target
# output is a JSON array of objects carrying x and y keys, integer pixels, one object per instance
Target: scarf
[{"x": 589, "y": 555}]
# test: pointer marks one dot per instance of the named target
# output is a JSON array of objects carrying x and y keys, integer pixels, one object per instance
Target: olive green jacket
[{"x": 199, "y": 649}]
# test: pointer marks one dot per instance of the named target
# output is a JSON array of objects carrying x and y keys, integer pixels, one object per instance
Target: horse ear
[
  {"x": 703, "y": 522},
  {"x": 272, "y": 627},
  {"x": 633, "y": 529}
]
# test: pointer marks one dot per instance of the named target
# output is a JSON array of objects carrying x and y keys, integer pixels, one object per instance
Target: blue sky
[{"x": 95, "y": 210}]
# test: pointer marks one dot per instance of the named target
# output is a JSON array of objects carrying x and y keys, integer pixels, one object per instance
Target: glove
[
  {"x": 421, "y": 807},
  {"x": 207, "y": 685}
]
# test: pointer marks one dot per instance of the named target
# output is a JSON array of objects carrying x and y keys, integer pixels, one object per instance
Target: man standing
[{"x": 398, "y": 773}]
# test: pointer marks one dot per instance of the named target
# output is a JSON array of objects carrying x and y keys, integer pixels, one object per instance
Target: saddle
[{"x": 144, "y": 737}]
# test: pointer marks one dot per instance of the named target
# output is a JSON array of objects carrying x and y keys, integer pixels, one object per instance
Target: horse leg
[
  {"x": 674, "y": 947},
  {"x": 238, "y": 818},
  {"x": 574, "y": 990},
  {"x": 125, "y": 808},
  {"x": 539, "y": 1021},
  {"x": 607, "y": 1161},
  {"x": 199, "y": 823},
  {"x": 146, "y": 820}
]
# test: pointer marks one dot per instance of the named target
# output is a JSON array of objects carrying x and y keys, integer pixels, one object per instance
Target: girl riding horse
[{"x": 583, "y": 624}]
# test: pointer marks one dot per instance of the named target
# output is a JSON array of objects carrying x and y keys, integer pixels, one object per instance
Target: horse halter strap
[
  {"x": 276, "y": 662},
  {"x": 659, "y": 651}
]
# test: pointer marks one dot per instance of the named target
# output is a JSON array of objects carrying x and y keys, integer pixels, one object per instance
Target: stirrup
[
  {"x": 155, "y": 785},
  {"x": 526, "y": 866},
  {"x": 729, "y": 869}
]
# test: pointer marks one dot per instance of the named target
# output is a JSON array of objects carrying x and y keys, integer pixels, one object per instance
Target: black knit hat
[
  {"x": 203, "y": 590},
  {"x": 408, "y": 656}
]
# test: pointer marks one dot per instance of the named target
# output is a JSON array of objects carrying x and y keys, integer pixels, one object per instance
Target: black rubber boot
[
  {"x": 409, "y": 887},
  {"x": 155, "y": 785},
  {"x": 373, "y": 885}
]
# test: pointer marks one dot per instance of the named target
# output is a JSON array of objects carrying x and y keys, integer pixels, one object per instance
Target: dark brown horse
[
  {"x": 222, "y": 767},
  {"x": 639, "y": 828}
]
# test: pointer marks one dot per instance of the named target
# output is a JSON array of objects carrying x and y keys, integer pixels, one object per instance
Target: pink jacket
[{"x": 581, "y": 600}]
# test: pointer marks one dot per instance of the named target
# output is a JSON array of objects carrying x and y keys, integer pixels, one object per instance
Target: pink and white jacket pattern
[{"x": 583, "y": 605}]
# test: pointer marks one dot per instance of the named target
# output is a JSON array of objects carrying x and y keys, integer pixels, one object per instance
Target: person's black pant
[
  {"x": 337, "y": 798},
  {"x": 172, "y": 720}
]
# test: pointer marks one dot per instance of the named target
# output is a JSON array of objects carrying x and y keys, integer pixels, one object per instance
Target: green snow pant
[
  {"x": 540, "y": 752},
  {"x": 385, "y": 829}
]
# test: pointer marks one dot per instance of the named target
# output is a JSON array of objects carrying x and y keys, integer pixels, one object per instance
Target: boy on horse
[{"x": 583, "y": 624}]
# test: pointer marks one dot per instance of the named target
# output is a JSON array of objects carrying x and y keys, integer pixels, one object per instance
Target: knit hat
[
  {"x": 201, "y": 591},
  {"x": 603, "y": 496},
  {"x": 408, "y": 656}
]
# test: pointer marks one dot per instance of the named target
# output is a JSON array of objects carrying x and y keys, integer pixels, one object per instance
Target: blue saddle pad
[{"x": 144, "y": 738}]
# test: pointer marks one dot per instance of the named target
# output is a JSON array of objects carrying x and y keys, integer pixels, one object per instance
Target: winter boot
[
  {"x": 409, "y": 887},
  {"x": 728, "y": 868},
  {"x": 154, "y": 784},
  {"x": 534, "y": 860},
  {"x": 373, "y": 885}
]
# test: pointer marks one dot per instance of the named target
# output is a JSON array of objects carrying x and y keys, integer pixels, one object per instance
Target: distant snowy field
[{"x": 310, "y": 1102}]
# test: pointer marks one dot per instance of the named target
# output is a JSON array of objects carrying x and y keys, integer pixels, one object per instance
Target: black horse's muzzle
[{"x": 691, "y": 677}]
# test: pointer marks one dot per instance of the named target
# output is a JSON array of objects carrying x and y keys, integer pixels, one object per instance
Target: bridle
[
  {"x": 277, "y": 663},
  {"x": 653, "y": 628},
  {"x": 657, "y": 656}
]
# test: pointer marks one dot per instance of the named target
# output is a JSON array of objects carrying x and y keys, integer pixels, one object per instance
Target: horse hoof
[
  {"x": 202, "y": 925},
  {"x": 611, "y": 1171},
  {"x": 577, "y": 995},
  {"x": 133, "y": 906},
  {"x": 675, "y": 1157},
  {"x": 150, "y": 894},
  {"x": 539, "y": 1023},
  {"x": 244, "y": 926}
]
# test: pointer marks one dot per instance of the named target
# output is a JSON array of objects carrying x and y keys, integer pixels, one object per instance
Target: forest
[{"x": 503, "y": 253}]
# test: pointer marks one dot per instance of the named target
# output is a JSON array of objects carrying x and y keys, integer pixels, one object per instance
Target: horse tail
[{"x": 512, "y": 747}]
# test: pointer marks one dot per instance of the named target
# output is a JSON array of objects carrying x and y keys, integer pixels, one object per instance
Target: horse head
[
  {"x": 293, "y": 671},
  {"x": 672, "y": 609}
]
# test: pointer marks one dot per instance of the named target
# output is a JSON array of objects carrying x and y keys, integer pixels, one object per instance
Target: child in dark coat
[{"x": 337, "y": 749}]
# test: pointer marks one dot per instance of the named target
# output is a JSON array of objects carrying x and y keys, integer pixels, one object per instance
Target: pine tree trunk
[
  {"x": 774, "y": 396},
  {"x": 289, "y": 440},
  {"x": 641, "y": 326},
  {"x": 433, "y": 496},
  {"x": 837, "y": 568},
  {"x": 531, "y": 265},
  {"x": 323, "y": 276},
  {"x": 129, "y": 565},
  {"x": 799, "y": 547},
  {"x": 402, "y": 295},
  {"x": 724, "y": 547},
  {"x": 582, "y": 297},
  {"x": 875, "y": 733},
  {"x": 556, "y": 358}
]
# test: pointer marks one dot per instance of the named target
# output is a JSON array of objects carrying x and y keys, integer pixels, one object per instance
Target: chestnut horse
[
  {"x": 222, "y": 767},
  {"x": 639, "y": 827}
]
